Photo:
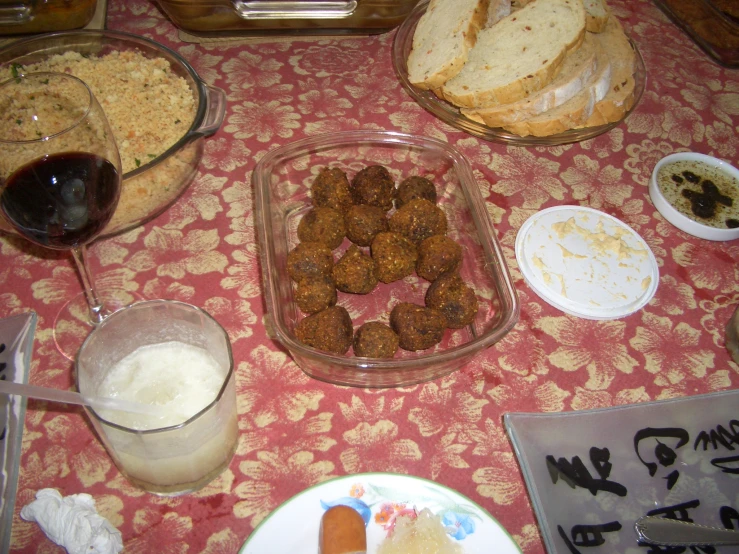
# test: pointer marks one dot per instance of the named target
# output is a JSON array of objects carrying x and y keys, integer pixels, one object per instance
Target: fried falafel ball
[
  {"x": 418, "y": 327},
  {"x": 363, "y": 222},
  {"x": 323, "y": 225},
  {"x": 309, "y": 259},
  {"x": 415, "y": 187},
  {"x": 454, "y": 298},
  {"x": 418, "y": 220},
  {"x": 436, "y": 255},
  {"x": 315, "y": 294},
  {"x": 375, "y": 186},
  {"x": 394, "y": 255},
  {"x": 329, "y": 330},
  {"x": 375, "y": 340},
  {"x": 355, "y": 272},
  {"x": 330, "y": 189}
]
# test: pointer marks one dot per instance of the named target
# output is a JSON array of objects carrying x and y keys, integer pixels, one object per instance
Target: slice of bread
[
  {"x": 497, "y": 10},
  {"x": 620, "y": 97},
  {"x": 519, "y": 55},
  {"x": 596, "y": 15},
  {"x": 577, "y": 70},
  {"x": 573, "y": 113},
  {"x": 442, "y": 40}
]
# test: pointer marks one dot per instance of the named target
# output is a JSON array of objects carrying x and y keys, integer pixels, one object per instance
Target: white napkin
[{"x": 73, "y": 522}]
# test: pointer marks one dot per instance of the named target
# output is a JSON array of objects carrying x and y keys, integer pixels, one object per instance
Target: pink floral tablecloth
[{"x": 296, "y": 431}]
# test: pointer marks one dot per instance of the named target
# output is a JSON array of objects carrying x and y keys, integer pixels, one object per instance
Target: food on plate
[
  {"x": 149, "y": 108},
  {"x": 596, "y": 15},
  {"x": 363, "y": 222},
  {"x": 315, "y": 294},
  {"x": 576, "y": 110},
  {"x": 415, "y": 187},
  {"x": 329, "y": 330},
  {"x": 454, "y": 298},
  {"x": 620, "y": 95},
  {"x": 418, "y": 327},
  {"x": 419, "y": 534},
  {"x": 418, "y": 220},
  {"x": 322, "y": 225},
  {"x": 373, "y": 185},
  {"x": 574, "y": 68},
  {"x": 577, "y": 70},
  {"x": 437, "y": 255},
  {"x": 309, "y": 259},
  {"x": 355, "y": 272},
  {"x": 375, "y": 340},
  {"x": 702, "y": 192},
  {"x": 444, "y": 36},
  {"x": 342, "y": 531},
  {"x": 330, "y": 189},
  {"x": 518, "y": 55},
  {"x": 395, "y": 256}
]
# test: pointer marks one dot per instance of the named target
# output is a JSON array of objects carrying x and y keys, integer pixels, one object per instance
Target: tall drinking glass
[{"x": 60, "y": 170}]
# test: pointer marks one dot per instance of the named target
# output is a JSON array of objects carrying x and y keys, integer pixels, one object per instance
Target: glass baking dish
[
  {"x": 282, "y": 179},
  {"x": 33, "y": 16},
  {"x": 151, "y": 188},
  {"x": 287, "y": 17}
]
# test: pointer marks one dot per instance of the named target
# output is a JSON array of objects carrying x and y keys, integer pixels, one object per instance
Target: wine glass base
[{"x": 72, "y": 323}]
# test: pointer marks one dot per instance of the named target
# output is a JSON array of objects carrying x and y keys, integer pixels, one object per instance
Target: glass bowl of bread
[
  {"x": 351, "y": 336},
  {"x": 159, "y": 109},
  {"x": 550, "y": 72}
]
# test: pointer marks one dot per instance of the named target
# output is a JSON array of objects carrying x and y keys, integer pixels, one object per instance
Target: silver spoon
[{"x": 672, "y": 532}]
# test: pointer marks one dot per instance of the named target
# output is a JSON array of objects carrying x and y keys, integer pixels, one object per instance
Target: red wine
[{"x": 61, "y": 200}]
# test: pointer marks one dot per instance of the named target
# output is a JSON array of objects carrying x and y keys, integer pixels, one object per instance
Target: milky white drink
[{"x": 183, "y": 380}]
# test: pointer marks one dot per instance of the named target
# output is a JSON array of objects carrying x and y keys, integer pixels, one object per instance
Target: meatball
[
  {"x": 309, "y": 259},
  {"x": 329, "y": 330},
  {"x": 454, "y": 298},
  {"x": 355, "y": 272},
  {"x": 323, "y": 225},
  {"x": 375, "y": 186},
  {"x": 418, "y": 327},
  {"x": 418, "y": 220},
  {"x": 436, "y": 255},
  {"x": 395, "y": 256},
  {"x": 330, "y": 189},
  {"x": 415, "y": 187},
  {"x": 363, "y": 222},
  {"x": 375, "y": 340},
  {"x": 315, "y": 294}
]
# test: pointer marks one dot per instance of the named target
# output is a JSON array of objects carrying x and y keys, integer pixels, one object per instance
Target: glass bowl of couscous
[{"x": 160, "y": 110}]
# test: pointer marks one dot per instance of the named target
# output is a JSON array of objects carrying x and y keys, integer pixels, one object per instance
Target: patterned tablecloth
[{"x": 296, "y": 431}]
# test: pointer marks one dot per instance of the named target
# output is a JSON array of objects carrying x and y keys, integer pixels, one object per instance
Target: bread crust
[
  {"x": 519, "y": 55},
  {"x": 432, "y": 61}
]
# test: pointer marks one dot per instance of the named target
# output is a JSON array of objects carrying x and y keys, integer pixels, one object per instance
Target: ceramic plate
[
  {"x": 378, "y": 497},
  {"x": 16, "y": 341},
  {"x": 591, "y": 474}
]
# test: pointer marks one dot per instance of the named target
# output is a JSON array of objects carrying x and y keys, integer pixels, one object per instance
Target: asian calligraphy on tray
[{"x": 592, "y": 474}]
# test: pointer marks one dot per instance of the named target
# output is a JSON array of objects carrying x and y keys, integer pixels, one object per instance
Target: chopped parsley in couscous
[{"x": 149, "y": 107}]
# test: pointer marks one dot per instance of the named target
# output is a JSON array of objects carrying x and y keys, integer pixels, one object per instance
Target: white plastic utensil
[{"x": 71, "y": 397}]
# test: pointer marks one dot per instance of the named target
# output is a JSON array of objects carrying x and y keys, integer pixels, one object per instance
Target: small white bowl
[{"x": 679, "y": 219}]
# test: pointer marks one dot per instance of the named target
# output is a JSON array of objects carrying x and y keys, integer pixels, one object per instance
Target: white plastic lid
[{"x": 586, "y": 263}]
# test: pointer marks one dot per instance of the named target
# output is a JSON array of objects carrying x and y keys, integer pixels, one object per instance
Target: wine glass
[{"x": 60, "y": 170}]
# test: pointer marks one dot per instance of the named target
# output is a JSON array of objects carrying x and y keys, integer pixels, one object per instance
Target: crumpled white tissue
[{"x": 73, "y": 522}]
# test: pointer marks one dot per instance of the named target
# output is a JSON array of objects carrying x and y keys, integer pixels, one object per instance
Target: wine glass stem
[{"x": 96, "y": 306}]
